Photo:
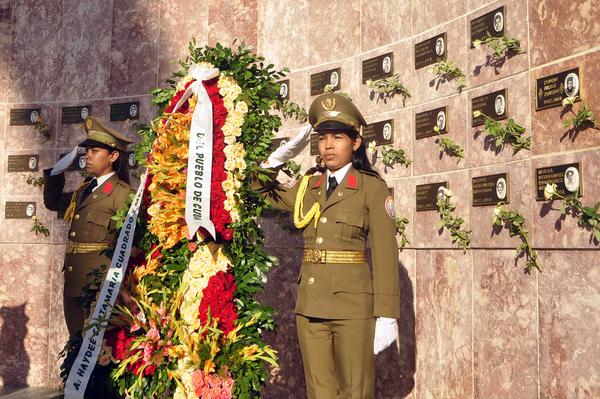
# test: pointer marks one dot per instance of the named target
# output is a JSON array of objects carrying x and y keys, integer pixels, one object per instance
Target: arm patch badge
[{"x": 389, "y": 207}]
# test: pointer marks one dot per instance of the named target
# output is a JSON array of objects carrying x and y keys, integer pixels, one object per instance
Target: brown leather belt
[
  {"x": 85, "y": 247},
  {"x": 325, "y": 256}
]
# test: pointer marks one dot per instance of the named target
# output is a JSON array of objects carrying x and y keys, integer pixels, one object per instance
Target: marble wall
[{"x": 472, "y": 324}]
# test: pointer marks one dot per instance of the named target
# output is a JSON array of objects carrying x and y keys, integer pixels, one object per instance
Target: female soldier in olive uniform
[
  {"x": 339, "y": 297},
  {"x": 89, "y": 210}
]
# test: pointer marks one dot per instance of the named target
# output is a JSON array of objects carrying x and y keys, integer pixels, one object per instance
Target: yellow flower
[
  {"x": 477, "y": 114},
  {"x": 209, "y": 366},
  {"x": 249, "y": 351},
  {"x": 242, "y": 107},
  {"x": 550, "y": 191},
  {"x": 227, "y": 185}
]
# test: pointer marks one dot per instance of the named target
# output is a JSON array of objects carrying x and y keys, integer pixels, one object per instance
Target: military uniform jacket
[
  {"x": 355, "y": 211},
  {"x": 91, "y": 223}
]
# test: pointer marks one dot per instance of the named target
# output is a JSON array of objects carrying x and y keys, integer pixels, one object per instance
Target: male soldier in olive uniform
[
  {"x": 339, "y": 298},
  {"x": 89, "y": 210}
]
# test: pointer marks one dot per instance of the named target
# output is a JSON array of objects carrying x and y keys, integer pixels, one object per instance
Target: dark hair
[{"x": 121, "y": 166}]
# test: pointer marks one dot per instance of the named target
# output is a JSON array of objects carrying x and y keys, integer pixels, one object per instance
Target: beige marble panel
[
  {"x": 71, "y": 134},
  {"x": 505, "y": 323},
  {"x": 27, "y": 137},
  {"x": 230, "y": 20},
  {"x": 15, "y": 183},
  {"x": 57, "y": 330},
  {"x": 569, "y": 294},
  {"x": 404, "y": 199},
  {"x": 19, "y": 230},
  {"x": 427, "y": 14},
  {"x": 299, "y": 92},
  {"x": 443, "y": 326},
  {"x": 6, "y": 9},
  {"x": 349, "y": 78},
  {"x": 384, "y": 22}
]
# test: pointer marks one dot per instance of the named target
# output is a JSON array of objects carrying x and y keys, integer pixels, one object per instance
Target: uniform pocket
[
  {"x": 349, "y": 226},
  {"x": 353, "y": 285},
  {"x": 97, "y": 223}
]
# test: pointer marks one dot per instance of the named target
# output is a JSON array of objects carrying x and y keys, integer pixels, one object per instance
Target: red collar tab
[
  {"x": 352, "y": 183},
  {"x": 108, "y": 186},
  {"x": 318, "y": 183}
]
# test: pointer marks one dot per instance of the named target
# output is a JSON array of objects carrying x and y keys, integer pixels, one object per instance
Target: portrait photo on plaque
[
  {"x": 380, "y": 132},
  {"x": 552, "y": 90},
  {"x": 494, "y": 105},
  {"x": 24, "y": 116},
  {"x": 571, "y": 179},
  {"x": 331, "y": 77},
  {"x": 426, "y": 121},
  {"x": 19, "y": 210},
  {"x": 427, "y": 195},
  {"x": 492, "y": 22},
  {"x": 23, "y": 163},
  {"x": 378, "y": 67},
  {"x": 490, "y": 189},
  {"x": 284, "y": 89},
  {"x": 430, "y": 51}
]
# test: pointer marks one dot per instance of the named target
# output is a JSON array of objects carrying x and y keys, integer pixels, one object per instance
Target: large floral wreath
[{"x": 187, "y": 324}]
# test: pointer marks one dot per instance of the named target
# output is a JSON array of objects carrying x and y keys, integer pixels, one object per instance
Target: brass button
[
  {"x": 311, "y": 280},
  {"x": 73, "y": 234},
  {"x": 323, "y": 219},
  {"x": 70, "y": 268},
  {"x": 95, "y": 195},
  {"x": 340, "y": 193},
  {"x": 319, "y": 240},
  {"x": 76, "y": 216},
  {"x": 319, "y": 193}
]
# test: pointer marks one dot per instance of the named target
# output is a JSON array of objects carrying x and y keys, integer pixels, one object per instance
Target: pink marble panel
[
  {"x": 560, "y": 29},
  {"x": 402, "y": 120},
  {"x": 482, "y": 151},
  {"x": 134, "y": 47},
  {"x": 569, "y": 291},
  {"x": 504, "y": 327},
  {"x": 57, "y": 330},
  {"x": 6, "y": 8},
  {"x": 230, "y": 20},
  {"x": 349, "y": 78},
  {"x": 395, "y": 367},
  {"x": 280, "y": 293},
  {"x": 86, "y": 42},
  {"x": 549, "y": 134},
  {"x": 372, "y": 103},
  {"x": 520, "y": 195},
  {"x": 27, "y": 137},
  {"x": 430, "y": 159},
  {"x": 481, "y": 68},
  {"x": 19, "y": 230},
  {"x": 384, "y": 22},
  {"x": 3, "y": 114},
  {"x": 425, "y": 85},
  {"x": 404, "y": 199},
  {"x": 427, "y": 234},
  {"x": 15, "y": 183},
  {"x": 24, "y": 288},
  {"x": 179, "y": 23},
  {"x": 36, "y": 52},
  {"x": 429, "y": 13},
  {"x": 443, "y": 324},
  {"x": 299, "y": 92},
  {"x": 550, "y": 230},
  {"x": 334, "y": 30},
  {"x": 282, "y": 32}
]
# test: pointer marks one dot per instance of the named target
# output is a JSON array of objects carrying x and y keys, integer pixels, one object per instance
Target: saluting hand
[{"x": 290, "y": 149}]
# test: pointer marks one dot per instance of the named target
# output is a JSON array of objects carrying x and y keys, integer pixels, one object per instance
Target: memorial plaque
[
  {"x": 78, "y": 164},
  {"x": 378, "y": 67},
  {"x": 489, "y": 190},
  {"x": 493, "y": 105},
  {"x": 379, "y": 132},
  {"x": 552, "y": 90},
  {"x": 23, "y": 163},
  {"x": 24, "y": 117},
  {"x": 430, "y": 51},
  {"x": 124, "y": 111},
  {"x": 284, "y": 89},
  {"x": 314, "y": 144},
  {"x": 318, "y": 81},
  {"x": 427, "y": 195},
  {"x": 492, "y": 23},
  {"x": 278, "y": 142},
  {"x": 567, "y": 177},
  {"x": 19, "y": 210},
  {"x": 425, "y": 122},
  {"x": 75, "y": 114}
]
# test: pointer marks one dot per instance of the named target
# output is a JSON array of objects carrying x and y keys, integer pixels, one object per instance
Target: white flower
[
  {"x": 550, "y": 191},
  {"x": 569, "y": 101},
  {"x": 497, "y": 213},
  {"x": 477, "y": 114},
  {"x": 477, "y": 44}
]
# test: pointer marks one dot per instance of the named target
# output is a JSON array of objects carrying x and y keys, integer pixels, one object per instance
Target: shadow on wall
[
  {"x": 395, "y": 367},
  {"x": 14, "y": 367}
]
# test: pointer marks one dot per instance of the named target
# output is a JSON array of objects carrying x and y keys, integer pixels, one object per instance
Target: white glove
[
  {"x": 386, "y": 332},
  {"x": 290, "y": 149},
  {"x": 64, "y": 162}
]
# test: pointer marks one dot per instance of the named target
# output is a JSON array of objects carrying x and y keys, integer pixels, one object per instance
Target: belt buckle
[
  {"x": 70, "y": 246},
  {"x": 316, "y": 256}
]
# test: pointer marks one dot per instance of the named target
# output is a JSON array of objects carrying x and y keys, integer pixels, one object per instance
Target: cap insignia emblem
[{"x": 328, "y": 103}]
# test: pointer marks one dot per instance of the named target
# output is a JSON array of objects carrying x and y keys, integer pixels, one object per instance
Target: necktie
[
  {"x": 88, "y": 189},
  {"x": 332, "y": 185}
]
